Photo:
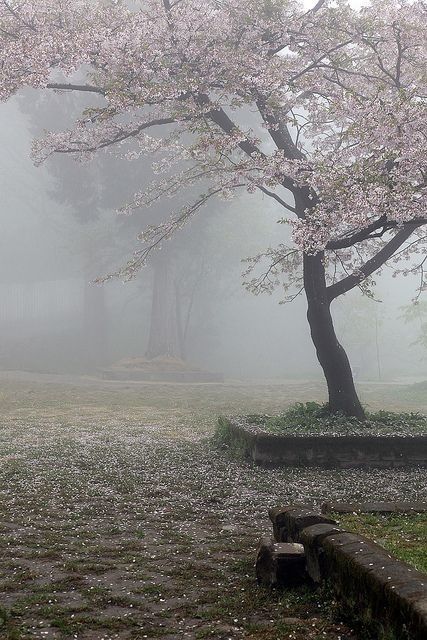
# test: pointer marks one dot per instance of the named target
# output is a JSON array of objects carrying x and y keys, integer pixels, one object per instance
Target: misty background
[{"x": 60, "y": 231}]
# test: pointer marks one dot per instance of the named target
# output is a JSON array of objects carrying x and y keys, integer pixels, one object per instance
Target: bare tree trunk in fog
[
  {"x": 164, "y": 324},
  {"x": 95, "y": 325},
  {"x": 184, "y": 312},
  {"x": 181, "y": 329}
]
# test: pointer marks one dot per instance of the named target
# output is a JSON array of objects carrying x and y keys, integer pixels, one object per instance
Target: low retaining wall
[
  {"x": 271, "y": 450},
  {"x": 374, "y": 507},
  {"x": 384, "y": 595}
]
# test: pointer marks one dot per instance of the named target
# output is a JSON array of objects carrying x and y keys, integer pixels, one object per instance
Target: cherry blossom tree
[{"x": 336, "y": 98}]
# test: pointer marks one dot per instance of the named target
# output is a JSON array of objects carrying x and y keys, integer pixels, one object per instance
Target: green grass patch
[
  {"x": 225, "y": 438},
  {"x": 404, "y": 535},
  {"x": 313, "y": 418}
]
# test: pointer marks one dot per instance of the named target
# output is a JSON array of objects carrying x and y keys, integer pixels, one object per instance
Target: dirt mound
[
  {"x": 160, "y": 369},
  {"x": 161, "y": 363}
]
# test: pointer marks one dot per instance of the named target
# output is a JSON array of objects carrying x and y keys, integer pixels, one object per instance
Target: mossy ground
[
  {"x": 313, "y": 418},
  {"x": 119, "y": 519}
]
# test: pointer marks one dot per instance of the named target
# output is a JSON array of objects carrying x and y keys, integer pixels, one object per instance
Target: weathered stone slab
[
  {"x": 374, "y": 507},
  {"x": 265, "y": 565},
  {"x": 244, "y": 441},
  {"x": 289, "y": 521},
  {"x": 314, "y": 534},
  {"x": 419, "y": 614},
  {"x": 280, "y": 564}
]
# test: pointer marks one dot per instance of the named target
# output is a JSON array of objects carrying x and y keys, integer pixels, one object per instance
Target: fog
[{"x": 60, "y": 231}]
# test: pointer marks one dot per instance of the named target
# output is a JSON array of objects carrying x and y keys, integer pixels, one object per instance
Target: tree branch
[
  {"x": 224, "y": 122},
  {"x": 316, "y": 7},
  {"x": 366, "y": 234},
  {"x": 18, "y": 16},
  {"x": 318, "y": 61},
  {"x": 348, "y": 283},
  {"x": 279, "y": 132},
  {"x": 160, "y": 233},
  {"x": 359, "y": 236},
  {"x": 278, "y": 199},
  {"x": 120, "y": 137},
  {"x": 76, "y": 87},
  {"x": 305, "y": 197}
]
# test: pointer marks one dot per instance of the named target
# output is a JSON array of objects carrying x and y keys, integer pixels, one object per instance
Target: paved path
[{"x": 113, "y": 526}]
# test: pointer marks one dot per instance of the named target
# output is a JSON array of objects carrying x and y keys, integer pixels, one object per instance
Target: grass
[
  {"x": 120, "y": 520},
  {"x": 405, "y": 536},
  {"x": 312, "y": 418}
]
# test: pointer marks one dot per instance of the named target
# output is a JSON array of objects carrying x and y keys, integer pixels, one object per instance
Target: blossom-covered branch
[{"x": 340, "y": 95}]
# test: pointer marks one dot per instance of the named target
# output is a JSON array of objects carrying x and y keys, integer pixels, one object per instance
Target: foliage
[
  {"x": 339, "y": 93},
  {"x": 313, "y": 418},
  {"x": 228, "y": 440}
]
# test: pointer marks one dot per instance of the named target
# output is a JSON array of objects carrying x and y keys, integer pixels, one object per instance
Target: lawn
[
  {"x": 120, "y": 519},
  {"x": 405, "y": 535}
]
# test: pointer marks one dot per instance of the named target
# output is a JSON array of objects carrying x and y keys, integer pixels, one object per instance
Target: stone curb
[
  {"x": 385, "y": 594},
  {"x": 374, "y": 507}
]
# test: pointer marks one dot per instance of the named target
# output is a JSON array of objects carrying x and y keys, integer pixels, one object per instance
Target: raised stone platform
[{"x": 332, "y": 452}]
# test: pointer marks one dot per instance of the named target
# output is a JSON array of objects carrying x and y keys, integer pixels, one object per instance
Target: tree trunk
[
  {"x": 331, "y": 355},
  {"x": 95, "y": 325},
  {"x": 179, "y": 322},
  {"x": 163, "y": 337}
]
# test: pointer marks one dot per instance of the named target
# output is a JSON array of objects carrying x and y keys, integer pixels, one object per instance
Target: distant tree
[
  {"x": 91, "y": 192},
  {"x": 338, "y": 143},
  {"x": 175, "y": 279},
  {"x": 77, "y": 189}
]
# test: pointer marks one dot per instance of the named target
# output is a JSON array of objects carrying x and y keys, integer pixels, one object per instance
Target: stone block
[
  {"x": 374, "y": 507},
  {"x": 388, "y": 596},
  {"x": 328, "y": 451},
  {"x": 289, "y": 521},
  {"x": 280, "y": 564}
]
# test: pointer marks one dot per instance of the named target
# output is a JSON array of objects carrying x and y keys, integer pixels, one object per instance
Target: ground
[{"x": 120, "y": 519}]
